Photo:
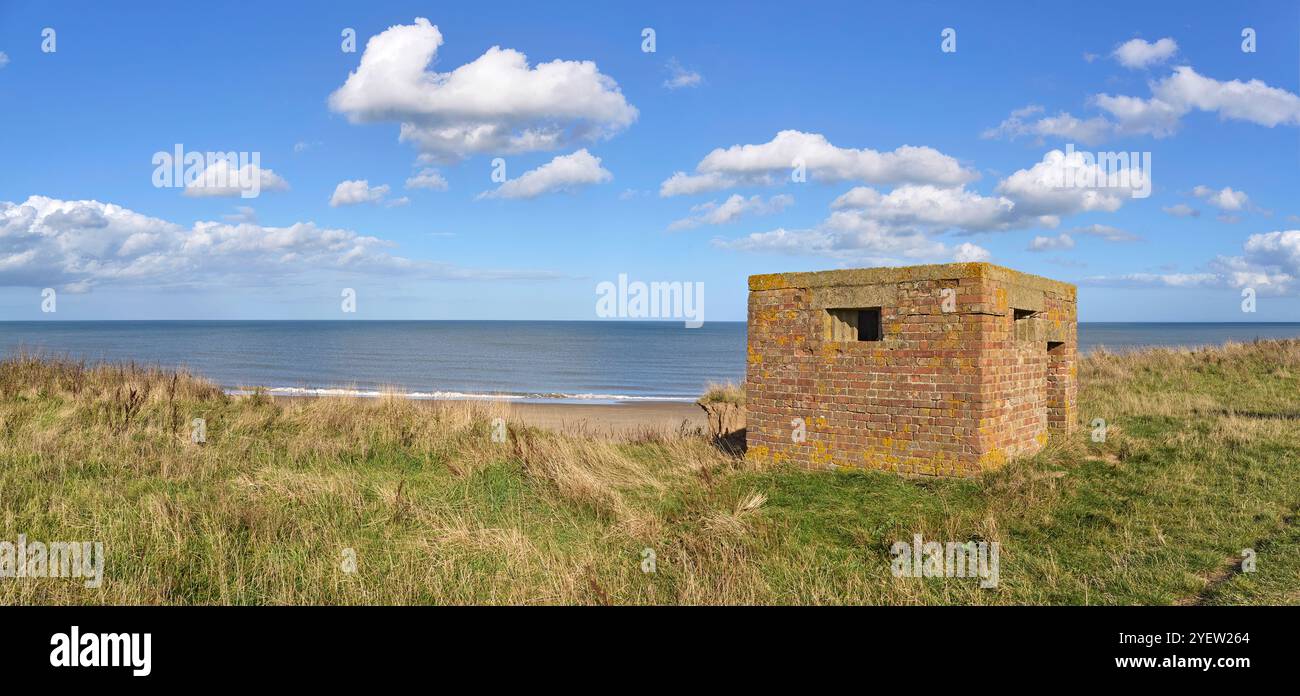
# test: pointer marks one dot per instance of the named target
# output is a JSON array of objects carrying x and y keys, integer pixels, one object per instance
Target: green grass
[{"x": 1201, "y": 461}]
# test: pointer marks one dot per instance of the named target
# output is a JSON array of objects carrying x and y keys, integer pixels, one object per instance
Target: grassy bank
[{"x": 1201, "y": 460}]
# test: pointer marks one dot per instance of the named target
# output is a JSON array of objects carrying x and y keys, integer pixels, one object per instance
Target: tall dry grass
[
  {"x": 1198, "y": 463},
  {"x": 262, "y": 510}
]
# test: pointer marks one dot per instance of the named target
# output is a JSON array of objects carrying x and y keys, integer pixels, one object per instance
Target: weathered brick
[{"x": 949, "y": 393}]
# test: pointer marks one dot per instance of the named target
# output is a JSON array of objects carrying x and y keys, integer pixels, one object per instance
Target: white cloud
[
  {"x": 1174, "y": 280},
  {"x": 1223, "y": 199},
  {"x": 683, "y": 184},
  {"x": 679, "y": 76},
  {"x": 1270, "y": 264},
  {"x": 1160, "y": 115},
  {"x": 495, "y": 104},
  {"x": 732, "y": 209},
  {"x": 969, "y": 253},
  {"x": 854, "y": 234},
  {"x": 1182, "y": 210},
  {"x": 427, "y": 179},
  {"x": 868, "y": 243},
  {"x": 1108, "y": 233},
  {"x": 221, "y": 179},
  {"x": 774, "y": 161},
  {"x": 1052, "y": 187},
  {"x": 1062, "y": 125},
  {"x": 46, "y": 242},
  {"x": 856, "y": 241},
  {"x": 4, "y": 59},
  {"x": 564, "y": 173},
  {"x": 1061, "y": 241},
  {"x": 900, "y": 226},
  {"x": 357, "y": 191},
  {"x": 242, "y": 214},
  {"x": 1138, "y": 54},
  {"x": 1186, "y": 90},
  {"x": 930, "y": 207},
  {"x": 1277, "y": 250}
]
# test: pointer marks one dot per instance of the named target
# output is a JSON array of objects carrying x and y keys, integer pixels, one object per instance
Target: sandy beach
[
  {"x": 593, "y": 419},
  {"x": 610, "y": 418}
]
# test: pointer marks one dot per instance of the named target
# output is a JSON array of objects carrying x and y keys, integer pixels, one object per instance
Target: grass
[
  {"x": 727, "y": 392},
  {"x": 1201, "y": 459}
]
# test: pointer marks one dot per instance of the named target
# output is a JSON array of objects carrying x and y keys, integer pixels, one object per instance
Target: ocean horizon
[{"x": 518, "y": 360}]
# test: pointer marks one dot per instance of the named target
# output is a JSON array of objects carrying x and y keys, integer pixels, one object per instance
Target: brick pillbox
[{"x": 943, "y": 370}]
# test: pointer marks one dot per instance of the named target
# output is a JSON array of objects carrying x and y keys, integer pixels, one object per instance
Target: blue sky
[{"x": 848, "y": 85}]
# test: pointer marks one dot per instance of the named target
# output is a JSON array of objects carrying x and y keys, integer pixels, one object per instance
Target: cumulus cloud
[
  {"x": 496, "y": 103},
  {"x": 1062, "y": 125},
  {"x": 1269, "y": 263},
  {"x": 679, "y": 77},
  {"x": 1106, "y": 232},
  {"x": 1138, "y": 54},
  {"x": 856, "y": 241},
  {"x": 428, "y": 178},
  {"x": 869, "y": 243},
  {"x": 1278, "y": 250},
  {"x": 683, "y": 184},
  {"x": 358, "y": 191},
  {"x": 1065, "y": 183},
  {"x": 46, "y": 242},
  {"x": 1160, "y": 115},
  {"x": 1060, "y": 241},
  {"x": 866, "y": 224},
  {"x": 242, "y": 213},
  {"x": 221, "y": 179},
  {"x": 929, "y": 207},
  {"x": 970, "y": 253},
  {"x": 564, "y": 173},
  {"x": 1181, "y": 210},
  {"x": 774, "y": 161},
  {"x": 1186, "y": 90},
  {"x": 732, "y": 209},
  {"x": 1224, "y": 199}
]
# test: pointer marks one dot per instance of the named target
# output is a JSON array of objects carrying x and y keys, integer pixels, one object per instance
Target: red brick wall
[{"x": 947, "y": 393}]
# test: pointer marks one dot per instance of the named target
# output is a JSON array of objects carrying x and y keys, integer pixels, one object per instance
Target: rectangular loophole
[
  {"x": 1022, "y": 327},
  {"x": 858, "y": 324}
]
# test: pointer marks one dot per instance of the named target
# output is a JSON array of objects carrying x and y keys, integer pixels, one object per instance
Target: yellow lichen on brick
[
  {"x": 943, "y": 393},
  {"x": 993, "y": 459}
]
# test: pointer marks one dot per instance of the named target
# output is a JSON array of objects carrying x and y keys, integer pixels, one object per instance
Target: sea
[{"x": 529, "y": 361}]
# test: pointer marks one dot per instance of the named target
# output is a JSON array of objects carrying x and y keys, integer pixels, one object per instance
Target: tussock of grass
[
  {"x": 1199, "y": 462},
  {"x": 724, "y": 393}
]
